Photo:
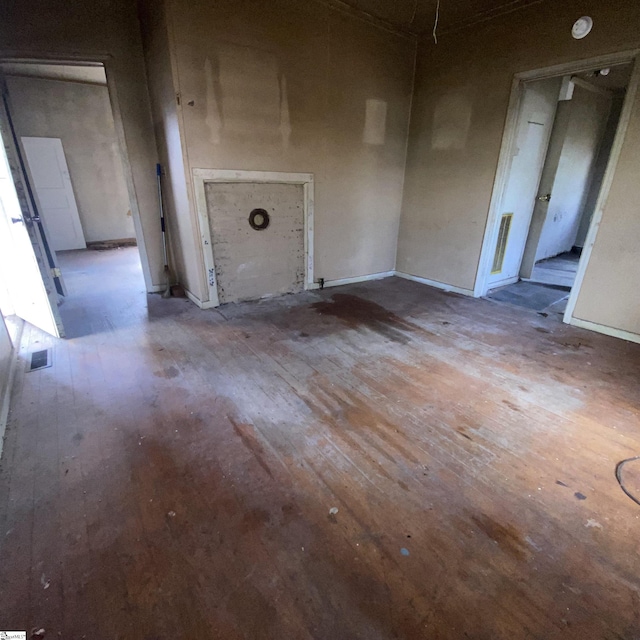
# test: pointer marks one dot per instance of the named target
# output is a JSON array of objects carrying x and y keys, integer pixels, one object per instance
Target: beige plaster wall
[
  {"x": 461, "y": 96},
  {"x": 185, "y": 261},
  {"x": 609, "y": 293},
  {"x": 299, "y": 87}
]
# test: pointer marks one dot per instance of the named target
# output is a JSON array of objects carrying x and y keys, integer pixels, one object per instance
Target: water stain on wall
[
  {"x": 213, "y": 119},
  {"x": 375, "y": 122},
  {"x": 451, "y": 121}
]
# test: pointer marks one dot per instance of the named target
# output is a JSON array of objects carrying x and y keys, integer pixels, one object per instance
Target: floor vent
[
  {"x": 40, "y": 360},
  {"x": 501, "y": 246}
]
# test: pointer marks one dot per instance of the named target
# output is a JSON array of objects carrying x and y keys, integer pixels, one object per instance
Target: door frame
[
  {"x": 482, "y": 286},
  {"x": 203, "y": 176},
  {"x": 112, "y": 89}
]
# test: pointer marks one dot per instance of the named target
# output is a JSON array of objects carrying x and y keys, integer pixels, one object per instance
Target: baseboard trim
[
  {"x": 314, "y": 286},
  {"x": 157, "y": 288},
  {"x": 208, "y": 304},
  {"x": 608, "y": 331},
  {"x": 372, "y": 276},
  {"x": 434, "y": 283},
  {"x": 504, "y": 283},
  {"x": 5, "y": 400}
]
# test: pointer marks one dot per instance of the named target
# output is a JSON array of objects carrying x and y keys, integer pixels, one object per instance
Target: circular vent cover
[{"x": 259, "y": 219}]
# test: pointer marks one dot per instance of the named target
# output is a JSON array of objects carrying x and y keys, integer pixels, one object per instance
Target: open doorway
[
  {"x": 562, "y": 141},
  {"x": 65, "y": 135}
]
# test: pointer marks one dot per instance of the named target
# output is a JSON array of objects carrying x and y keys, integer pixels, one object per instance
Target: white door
[
  {"x": 533, "y": 130},
  {"x": 25, "y": 258},
  {"x": 50, "y": 175}
]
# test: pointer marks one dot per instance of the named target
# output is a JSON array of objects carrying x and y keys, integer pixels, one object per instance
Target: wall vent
[
  {"x": 501, "y": 245},
  {"x": 40, "y": 360}
]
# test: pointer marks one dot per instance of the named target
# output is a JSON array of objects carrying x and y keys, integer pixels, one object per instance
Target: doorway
[
  {"x": 65, "y": 137},
  {"x": 562, "y": 139}
]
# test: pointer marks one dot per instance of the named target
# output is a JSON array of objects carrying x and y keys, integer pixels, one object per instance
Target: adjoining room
[
  {"x": 62, "y": 116},
  {"x": 562, "y": 145}
]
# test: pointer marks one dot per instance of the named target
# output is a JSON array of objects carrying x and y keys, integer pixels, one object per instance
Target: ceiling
[
  {"x": 616, "y": 80},
  {"x": 418, "y": 16}
]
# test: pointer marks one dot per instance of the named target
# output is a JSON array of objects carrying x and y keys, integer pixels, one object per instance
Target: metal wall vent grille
[
  {"x": 40, "y": 360},
  {"x": 501, "y": 245}
]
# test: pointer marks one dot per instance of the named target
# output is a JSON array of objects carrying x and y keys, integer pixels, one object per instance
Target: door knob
[
  {"x": 545, "y": 198},
  {"x": 16, "y": 220}
]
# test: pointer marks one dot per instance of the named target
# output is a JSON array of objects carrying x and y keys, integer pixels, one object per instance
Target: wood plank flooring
[{"x": 370, "y": 462}]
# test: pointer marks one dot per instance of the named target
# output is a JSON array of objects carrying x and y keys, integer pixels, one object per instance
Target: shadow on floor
[
  {"x": 531, "y": 295},
  {"x": 105, "y": 290},
  {"x": 560, "y": 270}
]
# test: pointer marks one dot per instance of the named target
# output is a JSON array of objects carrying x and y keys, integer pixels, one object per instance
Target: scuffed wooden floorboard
[{"x": 172, "y": 474}]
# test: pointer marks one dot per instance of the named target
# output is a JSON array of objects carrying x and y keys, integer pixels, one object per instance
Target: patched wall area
[{"x": 251, "y": 262}]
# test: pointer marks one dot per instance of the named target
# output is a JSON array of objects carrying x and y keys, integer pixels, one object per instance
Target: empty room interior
[{"x": 320, "y": 319}]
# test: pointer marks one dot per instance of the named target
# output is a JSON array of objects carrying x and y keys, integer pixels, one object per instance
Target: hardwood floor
[{"x": 374, "y": 461}]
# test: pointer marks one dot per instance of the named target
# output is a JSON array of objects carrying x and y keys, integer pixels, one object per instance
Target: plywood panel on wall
[{"x": 252, "y": 263}]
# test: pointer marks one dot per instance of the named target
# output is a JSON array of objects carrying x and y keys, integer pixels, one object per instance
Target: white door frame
[
  {"x": 112, "y": 87},
  {"x": 202, "y": 176},
  {"x": 517, "y": 88}
]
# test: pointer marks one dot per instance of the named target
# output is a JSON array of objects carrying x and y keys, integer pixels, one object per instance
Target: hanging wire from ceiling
[
  {"x": 435, "y": 24},
  {"x": 415, "y": 10}
]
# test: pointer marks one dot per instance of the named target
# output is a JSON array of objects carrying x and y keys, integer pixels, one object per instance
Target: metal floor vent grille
[
  {"x": 40, "y": 360},
  {"x": 501, "y": 245}
]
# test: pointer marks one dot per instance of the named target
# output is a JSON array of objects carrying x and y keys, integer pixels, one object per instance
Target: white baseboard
[
  {"x": 156, "y": 288},
  {"x": 312, "y": 286},
  {"x": 434, "y": 283},
  {"x": 356, "y": 279},
  {"x": 208, "y": 304},
  {"x": 503, "y": 283},
  {"x": 608, "y": 331}
]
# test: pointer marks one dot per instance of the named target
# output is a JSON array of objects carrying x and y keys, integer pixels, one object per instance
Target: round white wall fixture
[{"x": 582, "y": 27}]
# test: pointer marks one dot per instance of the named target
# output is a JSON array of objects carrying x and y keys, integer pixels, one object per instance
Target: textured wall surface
[
  {"x": 252, "y": 263},
  {"x": 296, "y": 87}
]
